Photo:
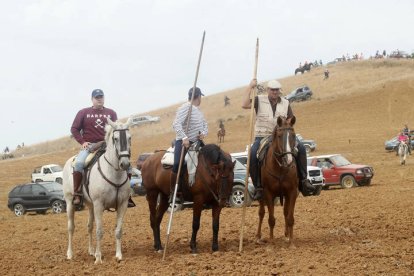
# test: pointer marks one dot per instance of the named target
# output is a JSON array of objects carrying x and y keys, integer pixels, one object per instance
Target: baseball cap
[
  {"x": 274, "y": 84},
  {"x": 196, "y": 94},
  {"x": 97, "y": 92}
]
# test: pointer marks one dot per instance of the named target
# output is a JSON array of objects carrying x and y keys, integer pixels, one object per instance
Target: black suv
[
  {"x": 37, "y": 197},
  {"x": 301, "y": 93}
]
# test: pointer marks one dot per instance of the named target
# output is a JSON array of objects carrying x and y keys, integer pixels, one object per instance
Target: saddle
[
  {"x": 190, "y": 160},
  {"x": 263, "y": 148},
  {"x": 94, "y": 153}
]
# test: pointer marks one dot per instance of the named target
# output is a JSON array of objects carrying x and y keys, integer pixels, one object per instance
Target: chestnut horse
[
  {"x": 220, "y": 134},
  {"x": 213, "y": 185},
  {"x": 279, "y": 178}
]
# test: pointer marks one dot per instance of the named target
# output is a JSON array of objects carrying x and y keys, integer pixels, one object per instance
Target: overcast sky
[{"x": 143, "y": 54}]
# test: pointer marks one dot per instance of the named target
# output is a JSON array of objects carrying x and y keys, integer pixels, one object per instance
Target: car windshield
[
  {"x": 56, "y": 168},
  {"x": 52, "y": 186},
  {"x": 340, "y": 161}
]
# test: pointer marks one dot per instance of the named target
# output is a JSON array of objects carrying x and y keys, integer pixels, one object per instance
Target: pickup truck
[{"x": 51, "y": 172}]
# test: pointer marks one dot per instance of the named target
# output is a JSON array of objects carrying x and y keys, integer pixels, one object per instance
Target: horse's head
[
  {"x": 284, "y": 140},
  {"x": 118, "y": 143},
  {"x": 221, "y": 170}
]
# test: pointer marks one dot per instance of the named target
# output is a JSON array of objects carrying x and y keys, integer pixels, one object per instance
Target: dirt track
[{"x": 360, "y": 231}]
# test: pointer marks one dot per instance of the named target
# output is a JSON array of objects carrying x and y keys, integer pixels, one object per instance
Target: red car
[{"x": 337, "y": 170}]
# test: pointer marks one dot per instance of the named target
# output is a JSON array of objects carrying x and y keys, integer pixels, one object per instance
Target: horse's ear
[
  {"x": 279, "y": 121},
  {"x": 110, "y": 122},
  {"x": 292, "y": 121},
  {"x": 129, "y": 122}
]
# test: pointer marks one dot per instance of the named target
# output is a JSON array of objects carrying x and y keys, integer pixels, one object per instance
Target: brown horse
[
  {"x": 220, "y": 135},
  {"x": 213, "y": 185},
  {"x": 279, "y": 178}
]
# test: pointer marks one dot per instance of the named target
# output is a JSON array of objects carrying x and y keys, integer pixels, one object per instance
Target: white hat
[{"x": 274, "y": 84}]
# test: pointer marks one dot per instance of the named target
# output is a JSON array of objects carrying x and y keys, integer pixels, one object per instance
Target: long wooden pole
[
  {"x": 246, "y": 181},
  {"x": 182, "y": 151}
]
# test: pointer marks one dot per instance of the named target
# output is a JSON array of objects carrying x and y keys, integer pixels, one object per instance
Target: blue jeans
[{"x": 80, "y": 160}]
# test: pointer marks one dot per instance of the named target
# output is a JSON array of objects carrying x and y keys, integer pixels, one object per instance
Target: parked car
[
  {"x": 392, "y": 144},
  {"x": 315, "y": 177},
  {"x": 137, "y": 188},
  {"x": 37, "y": 197},
  {"x": 142, "y": 119},
  {"x": 238, "y": 195},
  {"x": 142, "y": 158},
  {"x": 51, "y": 172},
  {"x": 301, "y": 93},
  {"x": 337, "y": 170},
  {"x": 310, "y": 145}
]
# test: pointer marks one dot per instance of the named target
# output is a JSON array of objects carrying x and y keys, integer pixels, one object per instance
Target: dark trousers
[
  {"x": 301, "y": 161},
  {"x": 178, "y": 147}
]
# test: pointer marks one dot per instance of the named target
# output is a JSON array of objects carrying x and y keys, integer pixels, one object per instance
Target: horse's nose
[{"x": 125, "y": 164}]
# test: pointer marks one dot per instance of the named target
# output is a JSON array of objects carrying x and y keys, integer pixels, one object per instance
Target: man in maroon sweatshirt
[{"x": 88, "y": 128}]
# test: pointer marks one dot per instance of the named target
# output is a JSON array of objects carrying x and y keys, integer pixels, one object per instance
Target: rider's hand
[
  {"x": 85, "y": 145},
  {"x": 186, "y": 143},
  {"x": 253, "y": 83}
]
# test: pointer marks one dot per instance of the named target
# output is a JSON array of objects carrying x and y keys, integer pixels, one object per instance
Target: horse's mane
[
  {"x": 108, "y": 131},
  {"x": 214, "y": 154}
]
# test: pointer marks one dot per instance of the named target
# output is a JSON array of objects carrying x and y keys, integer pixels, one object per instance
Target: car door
[
  {"x": 40, "y": 196},
  {"x": 328, "y": 170},
  {"x": 26, "y": 196},
  {"x": 299, "y": 94}
]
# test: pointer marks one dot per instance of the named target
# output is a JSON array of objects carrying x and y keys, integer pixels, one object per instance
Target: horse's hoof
[
  {"x": 260, "y": 241},
  {"x": 292, "y": 246},
  {"x": 118, "y": 259},
  {"x": 159, "y": 251},
  {"x": 98, "y": 261}
]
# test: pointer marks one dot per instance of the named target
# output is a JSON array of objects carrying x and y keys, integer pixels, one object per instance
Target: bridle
[
  {"x": 282, "y": 157},
  {"x": 223, "y": 183},
  {"x": 125, "y": 152}
]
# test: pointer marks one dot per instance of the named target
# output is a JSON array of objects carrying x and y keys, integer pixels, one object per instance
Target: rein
[{"x": 203, "y": 180}]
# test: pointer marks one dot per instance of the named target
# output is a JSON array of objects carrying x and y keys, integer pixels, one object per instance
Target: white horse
[
  {"x": 402, "y": 152},
  {"x": 107, "y": 188}
]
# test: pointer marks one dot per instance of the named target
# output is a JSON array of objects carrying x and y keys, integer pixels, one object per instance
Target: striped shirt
[{"x": 197, "y": 123}]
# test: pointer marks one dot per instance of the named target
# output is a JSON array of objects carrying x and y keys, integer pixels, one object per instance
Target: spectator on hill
[{"x": 326, "y": 73}]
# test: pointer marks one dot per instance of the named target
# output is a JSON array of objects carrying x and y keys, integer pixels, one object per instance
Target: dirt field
[{"x": 358, "y": 231}]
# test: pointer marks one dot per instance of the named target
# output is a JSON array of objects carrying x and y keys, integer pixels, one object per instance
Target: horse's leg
[
  {"x": 120, "y": 214},
  {"x": 162, "y": 207},
  {"x": 271, "y": 208},
  {"x": 98, "y": 211},
  {"x": 261, "y": 216},
  {"x": 197, "y": 208},
  {"x": 91, "y": 219},
  {"x": 215, "y": 212},
  {"x": 152, "y": 205},
  {"x": 288, "y": 211},
  {"x": 70, "y": 211}
]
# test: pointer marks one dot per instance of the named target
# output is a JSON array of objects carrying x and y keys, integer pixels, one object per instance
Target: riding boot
[
  {"x": 173, "y": 178},
  {"x": 256, "y": 177},
  {"x": 306, "y": 188},
  {"x": 130, "y": 202},
  {"x": 77, "y": 188}
]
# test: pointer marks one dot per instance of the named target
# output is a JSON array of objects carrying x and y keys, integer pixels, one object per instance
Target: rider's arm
[{"x": 247, "y": 103}]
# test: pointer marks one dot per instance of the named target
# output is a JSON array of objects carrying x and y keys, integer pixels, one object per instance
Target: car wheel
[
  {"x": 238, "y": 197},
  {"x": 59, "y": 180},
  {"x": 19, "y": 210},
  {"x": 57, "y": 207},
  {"x": 317, "y": 190},
  {"x": 38, "y": 180},
  {"x": 307, "y": 97},
  {"x": 308, "y": 149},
  {"x": 348, "y": 181}
]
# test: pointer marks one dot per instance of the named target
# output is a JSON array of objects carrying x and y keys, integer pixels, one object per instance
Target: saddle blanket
[{"x": 191, "y": 159}]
